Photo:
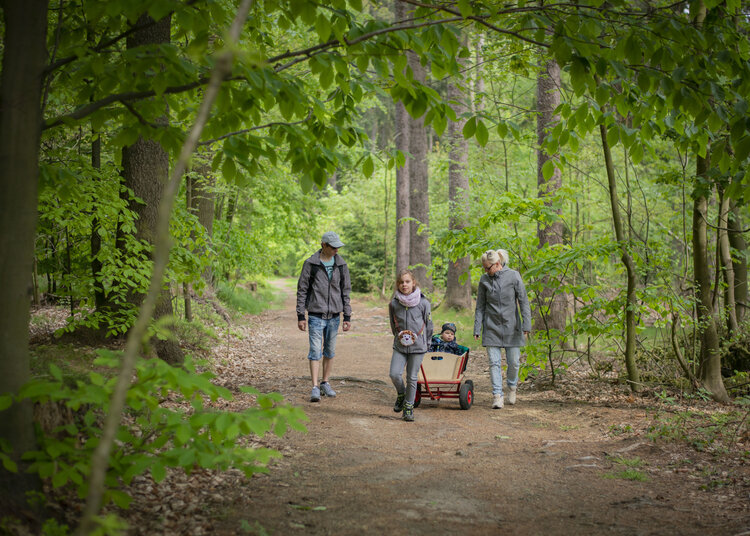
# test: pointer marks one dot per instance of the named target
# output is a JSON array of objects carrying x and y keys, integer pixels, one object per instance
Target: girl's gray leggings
[{"x": 412, "y": 363}]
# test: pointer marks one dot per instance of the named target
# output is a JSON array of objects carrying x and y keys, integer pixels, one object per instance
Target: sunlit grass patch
[{"x": 254, "y": 302}]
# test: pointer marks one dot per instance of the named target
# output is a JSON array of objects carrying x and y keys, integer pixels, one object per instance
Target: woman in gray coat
[{"x": 500, "y": 295}]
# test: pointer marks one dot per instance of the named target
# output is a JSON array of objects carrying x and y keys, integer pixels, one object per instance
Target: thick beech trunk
[
  {"x": 24, "y": 57},
  {"x": 145, "y": 171}
]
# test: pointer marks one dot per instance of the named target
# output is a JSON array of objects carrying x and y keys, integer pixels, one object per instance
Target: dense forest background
[{"x": 603, "y": 145}]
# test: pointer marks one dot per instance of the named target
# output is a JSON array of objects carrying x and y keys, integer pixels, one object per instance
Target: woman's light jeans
[{"x": 513, "y": 357}]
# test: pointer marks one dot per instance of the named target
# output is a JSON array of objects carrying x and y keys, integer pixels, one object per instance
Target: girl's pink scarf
[{"x": 409, "y": 300}]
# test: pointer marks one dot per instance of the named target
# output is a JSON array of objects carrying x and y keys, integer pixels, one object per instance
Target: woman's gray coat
[{"x": 497, "y": 318}]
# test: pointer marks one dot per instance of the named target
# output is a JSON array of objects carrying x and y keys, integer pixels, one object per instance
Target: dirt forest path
[{"x": 535, "y": 468}]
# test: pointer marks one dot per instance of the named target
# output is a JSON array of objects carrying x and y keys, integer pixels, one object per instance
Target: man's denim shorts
[{"x": 322, "y": 333}]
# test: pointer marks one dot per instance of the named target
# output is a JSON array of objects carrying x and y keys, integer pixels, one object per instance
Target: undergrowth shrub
[{"x": 152, "y": 437}]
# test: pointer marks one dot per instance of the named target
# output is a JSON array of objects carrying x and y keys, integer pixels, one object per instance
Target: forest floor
[{"x": 584, "y": 457}]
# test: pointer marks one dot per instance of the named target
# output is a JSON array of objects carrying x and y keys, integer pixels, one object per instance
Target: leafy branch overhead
[{"x": 283, "y": 78}]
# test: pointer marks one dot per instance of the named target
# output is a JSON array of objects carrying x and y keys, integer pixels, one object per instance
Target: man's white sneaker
[
  {"x": 511, "y": 395},
  {"x": 497, "y": 402}
]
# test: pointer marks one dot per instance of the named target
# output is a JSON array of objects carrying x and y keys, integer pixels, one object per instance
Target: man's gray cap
[{"x": 332, "y": 239}]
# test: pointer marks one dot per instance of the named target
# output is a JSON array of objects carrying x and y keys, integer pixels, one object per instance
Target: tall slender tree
[
  {"x": 739, "y": 260},
  {"x": 550, "y": 314},
  {"x": 710, "y": 354},
  {"x": 634, "y": 379}
]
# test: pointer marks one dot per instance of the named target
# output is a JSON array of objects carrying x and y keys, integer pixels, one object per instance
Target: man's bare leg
[
  {"x": 327, "y": 368},
  {"x": 315, "y": 371}
]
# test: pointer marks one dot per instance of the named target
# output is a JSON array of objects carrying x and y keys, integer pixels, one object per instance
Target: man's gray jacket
[{"x": 318, "y": 295}]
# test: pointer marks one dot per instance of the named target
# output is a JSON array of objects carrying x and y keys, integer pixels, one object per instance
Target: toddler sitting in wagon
[{"x": 446, "y": 341}]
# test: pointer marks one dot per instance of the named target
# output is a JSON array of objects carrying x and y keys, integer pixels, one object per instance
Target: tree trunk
[
  {"x": 457, "y": 294},
  {"x": 145, "y": 167},
  {"x": 186, "y": 291},
  {"x": 402, "y": 173},
  {"x": 739, "y": 261},
  {"x": 631, "y": 306},
  {"x": 96, "y": 240},
  {"x": 552, "y": 304},
  {"x": 419, "y": 199},
  {"x": 710, "y": 358},
  {"x": 727, "y": 267},
  {"x": 478, "y": 100},
  {"x": 24, "y": 58},
  {"x": 203, "y": 203}
]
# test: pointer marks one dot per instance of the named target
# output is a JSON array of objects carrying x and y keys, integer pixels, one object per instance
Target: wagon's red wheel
[
  {"x": 417, "y": 397},
  {"x": 466, "y": 395}
]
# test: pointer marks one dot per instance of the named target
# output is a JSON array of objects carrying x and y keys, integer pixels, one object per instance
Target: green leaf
[
  {"x": 9, "y": 464},
  {"x": 229, "y": 170},
  {"x": 548, "y": 169},
  {"x": 323, "y": 27},
  {"x": 120, "y": 498},
  {"x": 714, "y": 122},
  {"x": 464, "y": 7},
  {"x": 326, "y": 78},
  {"x": 633, "y": 51},
  {"x": 470, "y": 128},
  {"x": 368, "y": 167},
  {"x": 613, "y": 135},
  {"x": 60, "y": 478},
  {"x": 5, "y": 401},
  {"x": 55, "y": 371},
  {"x": 481, "y": 133},
  {"x": 578, "y": 75},
  {"x": 742, "y": 149},
  {"x": 158, "y": 471},
  {"x": 636, "y": 153}
]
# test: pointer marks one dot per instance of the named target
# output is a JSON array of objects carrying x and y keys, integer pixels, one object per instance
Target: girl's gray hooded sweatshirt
[
  {"x": 415, "y": 319},
  {"x": 497, "y": 318}
]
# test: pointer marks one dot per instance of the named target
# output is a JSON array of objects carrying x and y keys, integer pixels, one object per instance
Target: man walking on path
[{"x": 323, "y": 290}]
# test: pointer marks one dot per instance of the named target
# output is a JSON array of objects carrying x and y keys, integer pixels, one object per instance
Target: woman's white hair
[
  {"x": 504, "y": 254},
  {"x": 492, "y": 256}
]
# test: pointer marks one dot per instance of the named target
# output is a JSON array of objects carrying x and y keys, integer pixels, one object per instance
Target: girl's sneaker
[
  {"x": 409, "y": 412},
  {"x": 497, "y": 402},
  {"x": 399, "y": 405}
]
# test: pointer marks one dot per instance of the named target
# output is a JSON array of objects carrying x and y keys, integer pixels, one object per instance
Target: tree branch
[
  {"x": 109, "y": 42},
  {"x": 246, "y": 130},
  {"x": 300, "y": 55}
]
